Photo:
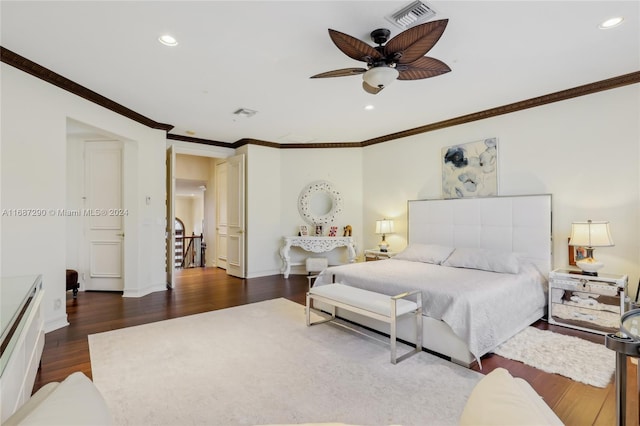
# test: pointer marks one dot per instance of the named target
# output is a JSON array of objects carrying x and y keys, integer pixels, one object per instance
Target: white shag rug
[
  {"x": 569, "y": 356},
  {"x": 260, "y": 364}
]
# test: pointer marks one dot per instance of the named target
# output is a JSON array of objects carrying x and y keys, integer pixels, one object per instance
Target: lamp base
[{"x": 589, "y": 266}]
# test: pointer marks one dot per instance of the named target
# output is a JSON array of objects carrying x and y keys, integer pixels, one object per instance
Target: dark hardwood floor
[{"x": 205, "y": 289}]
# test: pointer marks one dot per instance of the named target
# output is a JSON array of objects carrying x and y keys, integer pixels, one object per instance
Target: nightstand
[
  {"x": 375, "y": 254},
  {"x": 585, "y": 302}
]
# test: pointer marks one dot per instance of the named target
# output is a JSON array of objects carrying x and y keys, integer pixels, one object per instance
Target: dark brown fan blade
[
  {"x": 415, "y": 42},
  {"x": 424, "y": 67},
  {"x": 371, "y": 89},
  {"x": 354, "y": 48},
  {"x": 345, "y": 72}
]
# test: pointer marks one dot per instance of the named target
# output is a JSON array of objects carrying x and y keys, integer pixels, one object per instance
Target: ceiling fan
[{"x": 401, "y": 58}]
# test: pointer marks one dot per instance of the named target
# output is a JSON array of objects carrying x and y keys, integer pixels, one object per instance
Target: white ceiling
[{"x": 259, "y": 55}]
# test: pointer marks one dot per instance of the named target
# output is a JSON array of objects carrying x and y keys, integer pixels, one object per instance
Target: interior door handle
[{"x": 120, "y": 235}]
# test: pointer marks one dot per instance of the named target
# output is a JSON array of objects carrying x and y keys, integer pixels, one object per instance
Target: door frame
[{"x": 214, "y": 152}]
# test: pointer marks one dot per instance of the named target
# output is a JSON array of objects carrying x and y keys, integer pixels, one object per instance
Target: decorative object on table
[
  {"x": 575, "y": 253},
  {"x": 333, "y": 231},
  {"x": 588, "y": 235},
  {"x": 347, "y": 231},
  {"x": 470, "y": 170},
  {"x": 304, "y": 231},
  {"x": 319, "y": 231},
  {"x": 319, "y": 203},
  {"x": 384, "y": 226}
]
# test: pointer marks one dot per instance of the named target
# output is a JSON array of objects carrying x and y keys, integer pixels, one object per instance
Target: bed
[{"x": 481, "y": 264}]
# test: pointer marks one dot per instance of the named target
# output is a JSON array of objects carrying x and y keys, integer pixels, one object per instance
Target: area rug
[
  {"x": 569, "y": 356},
  {"x": 260, "y": 364}
]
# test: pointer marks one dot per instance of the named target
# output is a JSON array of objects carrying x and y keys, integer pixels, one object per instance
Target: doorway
[{"x": 203, "y": 170}]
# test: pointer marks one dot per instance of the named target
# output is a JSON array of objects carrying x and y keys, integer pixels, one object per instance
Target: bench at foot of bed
[{"x": 373, "y": 305}]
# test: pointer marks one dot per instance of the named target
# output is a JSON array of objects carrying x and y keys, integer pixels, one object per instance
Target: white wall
[
  {"x": 34, "y": 156},
  {"x": 583, "y": 151},
  {"x": 342, "y": 167},
  {"x": 263, "y": 207}
]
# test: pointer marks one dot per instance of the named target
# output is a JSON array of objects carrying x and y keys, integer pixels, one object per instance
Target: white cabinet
[{"x": 22, "y": 342}]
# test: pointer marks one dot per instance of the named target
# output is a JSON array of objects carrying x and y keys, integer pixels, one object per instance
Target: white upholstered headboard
[{"x": 520, "y": 224}]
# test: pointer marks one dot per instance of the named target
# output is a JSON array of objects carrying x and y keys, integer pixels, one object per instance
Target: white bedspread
[{"x": 483, "y": 308}]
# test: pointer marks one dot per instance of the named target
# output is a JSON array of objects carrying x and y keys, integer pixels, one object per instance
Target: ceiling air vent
[{"x": 415, "y": 13}]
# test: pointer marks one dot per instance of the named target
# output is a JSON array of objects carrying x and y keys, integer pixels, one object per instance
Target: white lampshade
[
  {"x": 380, "y": 76},
  {"x": 384, "y": 226},
  {"x": 590, "y": 234}
]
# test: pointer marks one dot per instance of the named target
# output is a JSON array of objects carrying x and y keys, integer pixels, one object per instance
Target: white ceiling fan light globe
[{"x": 380, "y": 76}]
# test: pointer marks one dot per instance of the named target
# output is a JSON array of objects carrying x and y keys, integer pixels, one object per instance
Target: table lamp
[
  {"x": 590, "y": 234},
  {"x": 384, "y": 226}
]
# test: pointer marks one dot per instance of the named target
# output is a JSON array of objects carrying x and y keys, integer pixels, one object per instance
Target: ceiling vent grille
[{"x": 413, "y": 14}]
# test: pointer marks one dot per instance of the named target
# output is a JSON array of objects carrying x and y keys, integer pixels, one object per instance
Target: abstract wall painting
[{"x": 470, "y": 170}]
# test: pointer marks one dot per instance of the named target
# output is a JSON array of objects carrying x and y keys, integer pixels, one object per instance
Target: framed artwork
[
  {"x": 576, "y": 253},
  {"x": 470, "y": 169},
  {"x": 319, "y": 230},
  {"x": 304, "y": 231},
  {"x": 333, "y": 231}
]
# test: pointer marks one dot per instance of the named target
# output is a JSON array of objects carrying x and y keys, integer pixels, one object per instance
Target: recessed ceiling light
[
  {"x": 168, "y": 40},
  {"x": 369, "y": 107},
  {"x": 611, "y": 22}
]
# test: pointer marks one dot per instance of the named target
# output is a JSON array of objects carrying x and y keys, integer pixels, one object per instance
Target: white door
[
  {"x": 104, "y": 215},
  {"x": 221, "y": 215},
  {"x": 170, "y": 232},
  {"x": 236, "y": 216}
]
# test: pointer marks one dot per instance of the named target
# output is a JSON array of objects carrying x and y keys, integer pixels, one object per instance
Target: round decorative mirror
[{"x": 319, "y": 203}]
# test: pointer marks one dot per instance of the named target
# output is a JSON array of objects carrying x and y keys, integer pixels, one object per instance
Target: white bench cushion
[{"x": 364, "y": 299}]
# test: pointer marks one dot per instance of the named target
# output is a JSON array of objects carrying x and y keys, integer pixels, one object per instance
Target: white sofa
[
  {"x": 74, "y": 401},
  {"x": 498, "y": 399}
]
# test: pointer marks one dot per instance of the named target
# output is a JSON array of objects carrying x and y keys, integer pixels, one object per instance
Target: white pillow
[
  {"x": 426, "y": 253},
  {"x": 484, "y": 259}
]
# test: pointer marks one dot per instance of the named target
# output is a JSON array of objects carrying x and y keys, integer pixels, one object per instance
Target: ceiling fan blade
[
  {"x": 371, "y": 89},
  {"x": 354, "y": 48},
  {"x": 345, "y": 72},
  {"x": 424, "y": 67},
  {"x": 415, "y": 42}
]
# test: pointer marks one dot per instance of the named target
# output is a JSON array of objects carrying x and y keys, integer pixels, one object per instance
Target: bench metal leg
[
  {"x": 310, "y": 308},
  {"x": 393, "y": 332}
]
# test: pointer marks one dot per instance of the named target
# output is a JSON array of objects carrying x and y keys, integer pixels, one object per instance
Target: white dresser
[{"x": 22, "y": 341}]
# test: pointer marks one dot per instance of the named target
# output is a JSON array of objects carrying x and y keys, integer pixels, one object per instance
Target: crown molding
[
  {"x": 36, "y": 70},
  {"x": 197, "y": 140},
  {"x": 586, "y": 89}
]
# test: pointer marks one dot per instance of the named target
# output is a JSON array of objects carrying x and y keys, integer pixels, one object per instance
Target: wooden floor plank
[{"x": 205, "y": 289}]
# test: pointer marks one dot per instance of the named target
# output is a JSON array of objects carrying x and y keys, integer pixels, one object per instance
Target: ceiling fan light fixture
[{"x": 380, "y": 76}]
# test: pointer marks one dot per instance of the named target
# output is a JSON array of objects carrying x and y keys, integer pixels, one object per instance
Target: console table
[{"x": 315, "y": 245}]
